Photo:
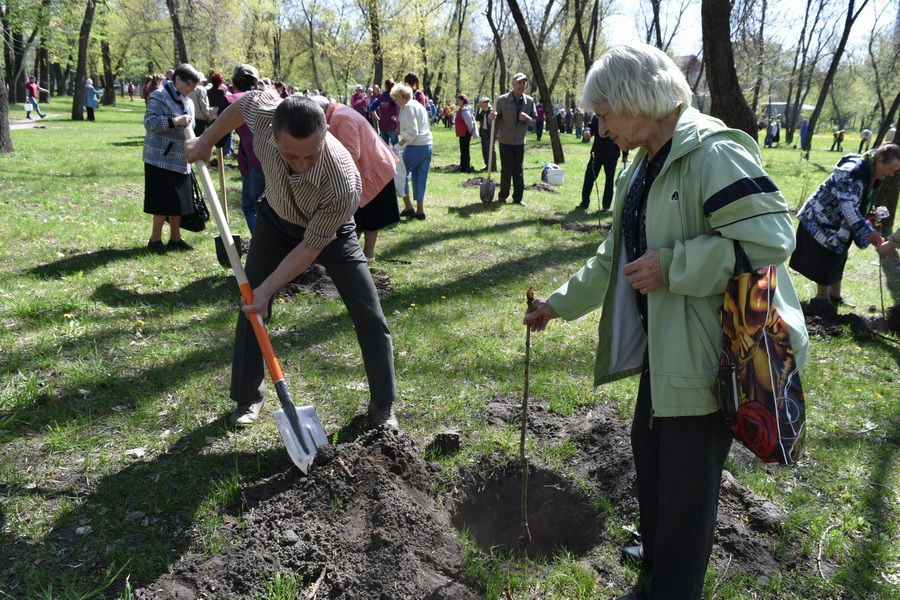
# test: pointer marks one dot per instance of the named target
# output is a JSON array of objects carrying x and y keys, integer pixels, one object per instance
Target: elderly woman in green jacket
[{"x": 693, "y": 187}]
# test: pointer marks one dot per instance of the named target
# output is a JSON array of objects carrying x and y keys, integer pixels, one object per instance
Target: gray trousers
[{"x": 273, "y": 238}]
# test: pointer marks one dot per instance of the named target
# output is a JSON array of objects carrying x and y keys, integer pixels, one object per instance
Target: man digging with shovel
[{"x": 304, "y": 215}]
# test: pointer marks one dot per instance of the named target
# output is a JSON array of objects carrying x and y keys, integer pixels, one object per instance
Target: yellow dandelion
[
  {"x": 413, "y": 304},
  {"x": 281, "y": 300},
  {"x": 67, "y": 316},
  {"x": 877, "y": 394},
  {"x": 139, "y": 322},
  {"x": 443, "y": 297}
]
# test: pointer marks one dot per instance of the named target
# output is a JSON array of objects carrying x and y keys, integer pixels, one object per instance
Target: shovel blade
[
  {"x": 302, "y": 435},
  {"x": 487, "y": 191}
]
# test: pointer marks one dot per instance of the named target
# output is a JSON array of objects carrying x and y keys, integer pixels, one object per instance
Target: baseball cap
[
  {"x": 359, "y": 87},
  {"x": 485, "y": 99},
  {"x": 246, "y": 74},
  {"x": 519, "y": 77}
]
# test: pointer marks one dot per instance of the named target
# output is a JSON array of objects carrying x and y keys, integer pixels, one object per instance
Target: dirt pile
[
  {"x": 315, "y": 280},
  {"x": 367, "y": 522},
  {"x": 362, "y": 524}
]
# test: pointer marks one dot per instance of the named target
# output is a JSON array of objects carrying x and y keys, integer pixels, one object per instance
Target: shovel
[
  {"x": 488, "y": 187},
  {"x": 299, "y": 427}
]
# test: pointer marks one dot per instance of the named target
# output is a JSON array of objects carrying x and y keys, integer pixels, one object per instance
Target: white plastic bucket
[{"x": 556, "y": 176}]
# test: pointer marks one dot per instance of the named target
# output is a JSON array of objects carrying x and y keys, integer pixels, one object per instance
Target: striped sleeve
[{"x": 741, "y": 190}]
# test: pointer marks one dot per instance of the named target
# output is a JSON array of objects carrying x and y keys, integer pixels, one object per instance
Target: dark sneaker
[
  {"x": 179, "y": 245},
  {"x": 246, "y": 414},
  {"x": 409, "y": 212},
  {"x": 383, "y": 415},
  {"x": 839, "y": 300},
  {"x": 156, "y": 247}
]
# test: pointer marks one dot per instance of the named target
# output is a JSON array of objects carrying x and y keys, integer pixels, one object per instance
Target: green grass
[{"x": 115, "y": 369}]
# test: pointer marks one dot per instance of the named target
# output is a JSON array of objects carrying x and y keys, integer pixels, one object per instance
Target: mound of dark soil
[
  {"x": 578, "y": 226},
  {"x": 824, "y": 320},
  {"x": 315, "y": 280},
  {"x": 367, "y": 522},
  {"x": 362, "y": 524}
]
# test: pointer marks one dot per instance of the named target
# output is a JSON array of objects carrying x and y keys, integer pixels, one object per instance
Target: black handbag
[{"x": 196, "y": 221}]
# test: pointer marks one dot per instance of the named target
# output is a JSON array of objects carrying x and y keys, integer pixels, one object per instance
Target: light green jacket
[{"x": 712, "y": 189}]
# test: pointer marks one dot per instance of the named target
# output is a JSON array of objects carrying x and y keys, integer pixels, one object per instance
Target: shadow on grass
[
  {"x": 142, "y": 517},
  {"x": 129, "y": 142},
  {"x": 89, "y": 261}
]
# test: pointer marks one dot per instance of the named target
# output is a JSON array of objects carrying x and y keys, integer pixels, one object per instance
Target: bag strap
[{"x": 741, "y": 261}]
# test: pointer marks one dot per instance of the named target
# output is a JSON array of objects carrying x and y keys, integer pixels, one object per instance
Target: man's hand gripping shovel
[{"x": 299, "y": 426}]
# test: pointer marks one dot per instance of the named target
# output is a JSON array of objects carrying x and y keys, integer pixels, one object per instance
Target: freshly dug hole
[{"x": 487, "y": 504}]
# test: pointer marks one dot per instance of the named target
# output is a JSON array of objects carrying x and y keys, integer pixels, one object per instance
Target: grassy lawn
[{"x": 116, "y": 363}]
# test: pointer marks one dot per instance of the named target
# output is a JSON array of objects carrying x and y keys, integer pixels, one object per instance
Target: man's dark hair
[
  {"x": 187, "y": 73},
  {"x": 299, "y": 117}
]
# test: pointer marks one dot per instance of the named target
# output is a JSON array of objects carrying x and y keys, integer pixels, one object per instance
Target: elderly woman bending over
[{"x": 693, "y": 189}]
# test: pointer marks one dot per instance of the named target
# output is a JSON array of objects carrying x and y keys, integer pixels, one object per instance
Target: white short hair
[{"x": 636, "y": 80}]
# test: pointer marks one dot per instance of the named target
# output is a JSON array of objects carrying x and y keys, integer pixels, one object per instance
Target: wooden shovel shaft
[{"x": 259, "y": 327}]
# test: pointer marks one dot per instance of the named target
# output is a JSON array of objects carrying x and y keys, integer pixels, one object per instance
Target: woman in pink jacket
[{"x": 377, "y": 166}]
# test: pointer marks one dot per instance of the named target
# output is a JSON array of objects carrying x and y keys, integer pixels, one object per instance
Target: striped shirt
[{"x": 320, "y": 200}]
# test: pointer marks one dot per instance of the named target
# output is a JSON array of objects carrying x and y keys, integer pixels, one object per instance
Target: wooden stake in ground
[{"x": 525, "y": 538}]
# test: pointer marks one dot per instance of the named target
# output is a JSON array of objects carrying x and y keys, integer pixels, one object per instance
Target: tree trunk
[
  {"x": 312, "y": 50},
  {"x": 558, "y": 155},
  {"x": 181, "y": 55},
  {"x": 81, "y": 71},
  {"x": 42, "y": 69},
  {"x": 58, "y": 79},
  {"x": 374, "y": 20},
  {"x": 276, "y": 54},
  {"x": 726, "y": 99},
  {"x": 462, "y": 8},
  {"x": 760, "y": 57},
  {"x": 6, "y": 145},
  {"x": 886, "y": 122},
  {"x": 498, "y": 41},
  {"x": 109, "y": 77},
  {"x": 832, "y": 69},
  {"x": 655, "y": 27}
]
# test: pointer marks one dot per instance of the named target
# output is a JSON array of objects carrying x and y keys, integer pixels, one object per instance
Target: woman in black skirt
[
  {"x": 377, "y": 166},
  {"x": 836, "y": 215},
  {"x": 168, "y": 191}
]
